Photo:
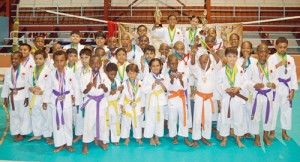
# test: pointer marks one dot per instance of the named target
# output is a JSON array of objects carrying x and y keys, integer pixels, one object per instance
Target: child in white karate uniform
[
  {"x": 176, "y": 84},
  {"x": 15, "y": 92},
  {"x": 39, "y": 83},
  {"x": 231, "y": 83},
  {"x": 154, "y": 87},
  {"x": 287, "y": 77},
  {"x": 94, "y": 86},
  {"x": 62, "y": 89},
  {"x": 132, "y": 105}
]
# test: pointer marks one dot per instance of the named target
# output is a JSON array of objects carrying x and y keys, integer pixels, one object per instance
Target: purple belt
[
  {"x": 262, "y": 92},
  {"x": 57, "y": 94},
  {"x": 97, "y": 99},
  {"x": 285, "y": 82}
]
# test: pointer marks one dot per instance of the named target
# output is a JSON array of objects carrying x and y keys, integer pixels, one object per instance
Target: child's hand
[
  {"x": 142, "y": 110},
  {"x": 121, "y": 88},
  {"x": 161, "y": 84},
  {"x": 179, "y": 76},
  {"x": 235, "y": 89},
  {"x": 193, "y": 52},
  {"x": 228, "y": 90},
  {"x": 123, "y": 110},
  {"x": 73, "y": 100},
  {"x": 37, "y": 88},
  {"x": 153, "y": 85},
  {"x": 5, "y": 103},
  {"x": 26, "y": 102},
  {"x": 283, "y": 62},
  {"x": 44, "y": 106},
  {"x": 291, "y": 95},
  {"x": 113, "y": 91},
  {"x": 31, "y": 89},
  {"x": 219, "y": 106},
  {"x": 38, "y": 92},
  {"x": 197, "y": 39},
  {"x": 103, "y": 87},
  {"x": 90, "y": 85},
  {"x": 212, "y": 51},
  {"x": 258, "y": 86},
  {"x": 172, "y": 76}
]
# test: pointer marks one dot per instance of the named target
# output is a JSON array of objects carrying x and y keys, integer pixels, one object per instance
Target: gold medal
[
  {"x": 172, "y": 45},
  {"x": 204, "y": 79},
  {"x": 157, "y": 81},
  {"x": 61, "y": 98},
  {"x": 15, "y": 92},
  {"x": 269, "y": 85}
]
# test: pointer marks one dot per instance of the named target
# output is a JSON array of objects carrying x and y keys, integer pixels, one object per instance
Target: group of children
[{"x": 112, "y": 89}]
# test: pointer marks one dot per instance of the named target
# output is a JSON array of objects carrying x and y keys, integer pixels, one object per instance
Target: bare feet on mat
[
  {"x": 205, "y": 141},
  {"x": 188, "y": 142},
  {"x": 175, "y": 140},
  {"x": 257, "y": 141},
  {"x": 70, "y": 148},
  {"x": 58, "y": 149},
  {"x": 77, "y": 139},
  {"x": 157, "y": 142},
  {"x": 49, "y": 141},
  {"x": 195, "y": 144},
  {"x": 84, "y": 148},
  {"x": 139, "y": 141},
  {"x": 102, "y": 145},
  {"x": 152, "y": 142},
  {"x": 126, "y": 142},
  {"x": 239, "y": 143},
  {"x": 272, "y": 135},
  {"x": 34, "y": 138},
  {"x": 224, "y": 141}
]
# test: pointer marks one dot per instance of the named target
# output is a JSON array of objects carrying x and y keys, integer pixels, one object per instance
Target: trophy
[
  {"x": 157, "y": 17},
  {"x": 204, "y": 20}
]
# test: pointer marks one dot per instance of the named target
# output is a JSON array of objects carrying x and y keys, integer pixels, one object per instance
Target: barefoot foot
[
  {"x": 77, "y": 139},
  {"x": 205, "y": 141},
  {"x": 35, "y": 138},
  {"x": 126, "y": 142}
]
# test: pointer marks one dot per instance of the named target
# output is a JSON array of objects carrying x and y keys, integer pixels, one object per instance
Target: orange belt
[
  {"x": 181, "y": 94},
  {"x": 205, "y": 97}
]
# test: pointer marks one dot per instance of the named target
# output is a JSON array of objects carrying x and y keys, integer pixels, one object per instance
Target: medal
[
  {"x": 157, "y": 81},
  {"x": 133, "y": 90},
  {"x": 172, "y": 45},
  {"x": 132, "y": 104},
  {"x": 61, "y": 98},
  {"x": 285, "y": 71},
  {"x": 15, "y": 92},
  {"x": 269, "y": 85},
  {"x": 204, "y": 79}
]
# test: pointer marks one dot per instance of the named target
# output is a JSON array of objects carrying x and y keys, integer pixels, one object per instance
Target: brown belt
[
  {"x": 231, "y": 96},
  {"x": 12, "y": 96}
]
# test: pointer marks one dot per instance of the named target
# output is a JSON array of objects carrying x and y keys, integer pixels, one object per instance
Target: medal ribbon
[
  {"x": 231, "y": 74},
  {"x": 15, "y": 75},
  {"x": 171, "y": 34},
  {"x": 121, "y": 73},
  {"x": 263, "y": 69},
  {"x": 36, "y": 74},
  {"x": 192, "y": 35}
]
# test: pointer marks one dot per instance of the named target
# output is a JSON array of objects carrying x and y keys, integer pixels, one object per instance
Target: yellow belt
[
  {"x": 127, "y": 101},
  {"x": 156, "y": 93},
  {"x": 31, "y": 104},
  {"x": 114, "y": 104}
]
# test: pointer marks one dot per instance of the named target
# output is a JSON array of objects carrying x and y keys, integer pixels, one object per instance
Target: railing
[{"x": 258, "y": 8}]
